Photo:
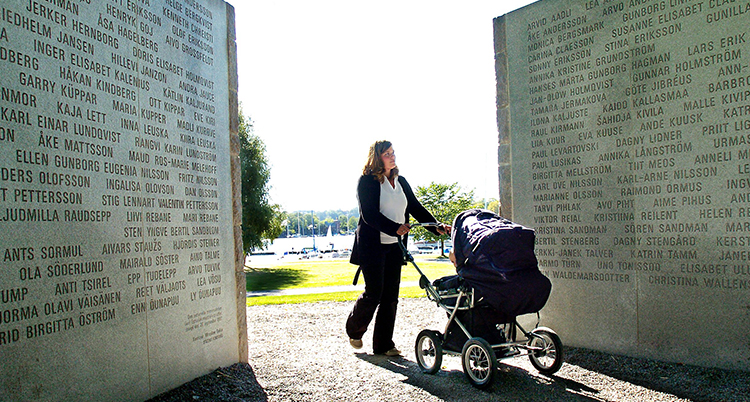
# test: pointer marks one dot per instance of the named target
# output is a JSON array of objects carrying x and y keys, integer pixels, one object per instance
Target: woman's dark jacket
[{"x": 372, "y": 222}]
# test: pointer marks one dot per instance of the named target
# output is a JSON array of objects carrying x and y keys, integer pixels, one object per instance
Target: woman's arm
[{"x": 415, "y": 208}]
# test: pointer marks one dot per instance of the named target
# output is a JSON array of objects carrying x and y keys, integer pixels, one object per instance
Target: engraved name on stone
[
  {"x": 640, "y": 110},
  {"x": 104, "y": 128}
]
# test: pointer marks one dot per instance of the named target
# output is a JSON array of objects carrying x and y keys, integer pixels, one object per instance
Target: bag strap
[{"x": 356, "y": 276}]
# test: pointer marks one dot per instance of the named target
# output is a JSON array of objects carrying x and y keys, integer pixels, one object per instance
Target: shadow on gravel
[
  {"x": 684, "y": 381},
  {"x": 234, "y": 383},
  {"x": 272, "y": 278},
  {"x": 511, "y": 383}
]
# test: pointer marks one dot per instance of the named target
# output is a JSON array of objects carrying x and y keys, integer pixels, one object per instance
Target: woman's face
[{"x": 389, "y": 159}]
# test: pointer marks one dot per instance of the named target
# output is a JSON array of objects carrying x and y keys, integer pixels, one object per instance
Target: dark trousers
[{"x": 382, "y": 279}]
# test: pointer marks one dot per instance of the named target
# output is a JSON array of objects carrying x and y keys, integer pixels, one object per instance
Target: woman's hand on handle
[
  {"x": 402, "y": 230},
  {"x": 444, "y": 229}
]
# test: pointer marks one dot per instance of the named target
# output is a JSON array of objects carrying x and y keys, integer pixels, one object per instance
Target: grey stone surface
[
  {"x": 118, "y": 276},
  {"x": 629, "y": 131}
]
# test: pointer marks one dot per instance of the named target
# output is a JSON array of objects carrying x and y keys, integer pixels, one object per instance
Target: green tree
[
  {"x": 444, "y": 201},
  {"x": 299, "y": 222},
  {"x": 492, "y": 205},
  {"x": 353, "y": 221},
  {"x": 309, "y": 221},
  {"x": 323, "y": 226},
  {"x": 343, "y": 222},
  {"x": 260, "y": 218},
  {"x": 296, "y": 224}
]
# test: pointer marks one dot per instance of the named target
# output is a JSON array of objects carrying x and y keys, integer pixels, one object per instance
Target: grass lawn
[{"x": 331, "y": 272}]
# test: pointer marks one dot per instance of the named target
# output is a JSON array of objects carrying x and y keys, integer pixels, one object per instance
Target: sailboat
[{"x": 329, "y": 237}]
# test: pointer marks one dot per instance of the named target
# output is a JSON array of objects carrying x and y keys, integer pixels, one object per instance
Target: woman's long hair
[{"x": 374, "y": 163}]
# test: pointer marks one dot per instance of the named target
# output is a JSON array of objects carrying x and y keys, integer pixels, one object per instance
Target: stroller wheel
[
  {"x": 479, "y": 362},
  {"x": 546, "y": 351},
  {"x": 429, "y": 351}
]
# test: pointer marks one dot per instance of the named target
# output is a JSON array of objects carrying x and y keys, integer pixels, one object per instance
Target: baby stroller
[{"x": 498, "y": 279}]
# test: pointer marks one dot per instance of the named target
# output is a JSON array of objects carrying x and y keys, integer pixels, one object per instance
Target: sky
[{"x": 324, "y": 79}]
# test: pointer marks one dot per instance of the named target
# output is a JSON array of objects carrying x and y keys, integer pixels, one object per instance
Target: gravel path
[{"x": 301, "y": 353}]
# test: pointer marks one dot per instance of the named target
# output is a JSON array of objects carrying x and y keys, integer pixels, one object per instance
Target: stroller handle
[
  {"x": 407, "y": 255},
  {"x": 426, "y": 224},
  {"x": 424, "y": 283}
]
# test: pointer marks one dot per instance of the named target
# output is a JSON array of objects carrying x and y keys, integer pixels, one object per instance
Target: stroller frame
[{"x": 478, "y": 356}]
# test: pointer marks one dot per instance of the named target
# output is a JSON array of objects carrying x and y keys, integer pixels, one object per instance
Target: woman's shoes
[{"x": 356, "y": 343}]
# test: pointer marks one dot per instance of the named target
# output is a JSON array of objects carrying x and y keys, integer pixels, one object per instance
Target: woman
[{"x": 385, "y": 202}]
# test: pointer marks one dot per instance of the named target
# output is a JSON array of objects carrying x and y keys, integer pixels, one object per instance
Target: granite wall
[
  {"x": 625, "y": 142},
  {"x": 121, "y": 273}
]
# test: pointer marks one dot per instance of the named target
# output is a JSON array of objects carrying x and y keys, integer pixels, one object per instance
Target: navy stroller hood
[{"x": 496, "y": 258}]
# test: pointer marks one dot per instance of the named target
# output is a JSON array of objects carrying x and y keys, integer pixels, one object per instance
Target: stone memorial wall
[
  {"x": 625, "y": 142},
  {"x": 118, "y": 278}
]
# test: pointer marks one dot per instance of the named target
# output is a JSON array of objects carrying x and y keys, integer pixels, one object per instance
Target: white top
[{"x": 392, "y": 206}]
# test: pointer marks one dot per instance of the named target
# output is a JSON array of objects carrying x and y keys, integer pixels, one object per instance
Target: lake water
[
  {"x": 289, "y": 249},
  {"x": 338, "y": 243}
]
